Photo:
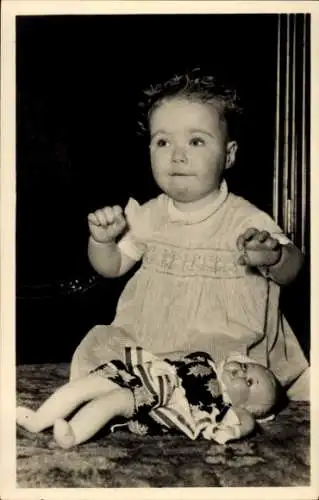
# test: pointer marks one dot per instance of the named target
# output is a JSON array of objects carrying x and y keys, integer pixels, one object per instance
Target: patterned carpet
[{"x": 277, "y": 455}]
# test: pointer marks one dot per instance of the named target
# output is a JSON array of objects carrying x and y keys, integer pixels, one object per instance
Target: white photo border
[{"x": 10, "y": 10}]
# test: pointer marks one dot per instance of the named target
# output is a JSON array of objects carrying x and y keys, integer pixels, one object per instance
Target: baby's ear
[{"x": 231, "y": 151}]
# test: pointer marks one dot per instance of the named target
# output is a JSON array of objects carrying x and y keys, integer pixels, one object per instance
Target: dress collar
[{"x": 176, "y": 215}]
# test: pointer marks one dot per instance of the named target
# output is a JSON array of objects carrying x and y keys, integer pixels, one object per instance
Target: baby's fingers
[
  {"x": 102, "y": 217},
  {"x": 92, "y": 218},
  {"x": 118, "y": 212},
  {"x": 262, "y": 236},
  {"x": 246, "y": 236},
  {"x": 107, "y": 216},
  {"x": 272, "y": 243}
]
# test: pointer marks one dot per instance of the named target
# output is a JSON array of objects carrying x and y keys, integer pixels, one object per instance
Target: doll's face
[
  {"x": 189, "y": 149},
  {"x": 250, "y": 386}
]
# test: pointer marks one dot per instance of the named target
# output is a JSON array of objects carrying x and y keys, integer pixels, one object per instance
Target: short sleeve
[
  {"x": 131, "y": 248},
  {"x": 141, "y": 221}
]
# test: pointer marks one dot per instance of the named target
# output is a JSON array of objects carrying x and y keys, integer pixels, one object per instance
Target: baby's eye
[
  {"x": 249, "y": 382},
  {"x": 196, "y": 141},
  {"x": 161, "y": 143}
]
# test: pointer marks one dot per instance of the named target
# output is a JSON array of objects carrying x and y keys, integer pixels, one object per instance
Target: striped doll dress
[{"x": 177, "y": 396}]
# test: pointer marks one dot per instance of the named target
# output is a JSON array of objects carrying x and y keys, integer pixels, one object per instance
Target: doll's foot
[
  {"x": 26, "y": 418},
  {"x": 63, "y": 433}
]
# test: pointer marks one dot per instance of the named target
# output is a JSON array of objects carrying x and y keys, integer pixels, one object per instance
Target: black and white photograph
[{"x": 157, "y": 241}]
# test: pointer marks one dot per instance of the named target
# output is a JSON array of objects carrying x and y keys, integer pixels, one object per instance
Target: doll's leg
[
  {"x": 93, "y": 416},
  {"x": 63, "y": 401}
]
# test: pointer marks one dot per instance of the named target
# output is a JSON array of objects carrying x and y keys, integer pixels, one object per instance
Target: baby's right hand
[{"x": 106, "y": 224}]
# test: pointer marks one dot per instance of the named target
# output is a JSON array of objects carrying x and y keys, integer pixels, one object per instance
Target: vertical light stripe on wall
[
  {"x": 277, "y": 141},
  {"x": 304, "y": 162},
  {"x": 291, "y": 156}
]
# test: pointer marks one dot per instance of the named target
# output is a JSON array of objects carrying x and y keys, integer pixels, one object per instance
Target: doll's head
[
  {"x": 251, "y": 386},
  {"x": 191, "y": 123}
]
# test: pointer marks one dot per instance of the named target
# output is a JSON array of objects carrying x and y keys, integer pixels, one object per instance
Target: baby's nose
[{"x": 179, "y": 154}]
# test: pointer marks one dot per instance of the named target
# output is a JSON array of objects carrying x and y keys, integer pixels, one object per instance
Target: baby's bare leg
[
  {"x": 93, "y": 416},
  {"x": 63, "y": 401}
]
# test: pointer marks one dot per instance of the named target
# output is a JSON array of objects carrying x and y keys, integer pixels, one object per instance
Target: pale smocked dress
[{"x": 190, "y": 294}]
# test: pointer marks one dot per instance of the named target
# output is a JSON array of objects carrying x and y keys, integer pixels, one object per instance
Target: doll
[{"x": 191, "y": 394}]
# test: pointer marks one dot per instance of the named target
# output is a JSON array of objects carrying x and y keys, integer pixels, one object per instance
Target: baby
[
  {"x": 212, "y": 264},
  {"x": 192, "y": 395},
  {"x": 211, "y": 269}
]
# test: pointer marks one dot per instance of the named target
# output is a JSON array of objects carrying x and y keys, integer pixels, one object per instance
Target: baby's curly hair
[{"x": 199, "y": 87}]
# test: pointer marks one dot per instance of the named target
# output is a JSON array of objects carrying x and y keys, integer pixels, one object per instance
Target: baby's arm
[
  {"x": 288, "y": 266},
  {"x": 108, "y": 260},
  {"x": 105, "y": 256},
  {"x": 281, "y": 262}
]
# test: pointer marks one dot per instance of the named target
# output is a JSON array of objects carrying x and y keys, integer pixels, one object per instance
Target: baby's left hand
[{"x": 258, "y": 248}]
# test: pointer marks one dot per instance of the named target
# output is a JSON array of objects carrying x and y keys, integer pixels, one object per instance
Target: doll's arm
[
  {"x": 236, "y": 424},
  {"x": 246, "y": 422}
]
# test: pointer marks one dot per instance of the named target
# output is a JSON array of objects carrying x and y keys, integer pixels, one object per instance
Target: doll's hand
[
  {"x": 258, "y": 248},
  {"x": 222, "y": 434},
  {"x": 106, "y": 224}
]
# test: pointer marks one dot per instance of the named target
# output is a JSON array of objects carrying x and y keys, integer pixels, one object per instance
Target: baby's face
[
  {"x": 188, "y": 149},
  {"x": 250, "y": 386}
]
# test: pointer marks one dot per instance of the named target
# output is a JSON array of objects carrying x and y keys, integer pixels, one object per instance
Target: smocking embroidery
[{"x": 216, "y": 263}]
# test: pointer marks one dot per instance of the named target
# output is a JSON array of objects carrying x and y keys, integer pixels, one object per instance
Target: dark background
[{"x": 78, "y": 85}]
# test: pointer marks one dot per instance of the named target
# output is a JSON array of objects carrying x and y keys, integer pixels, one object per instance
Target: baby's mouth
[{"x": 180, "y": 174}]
